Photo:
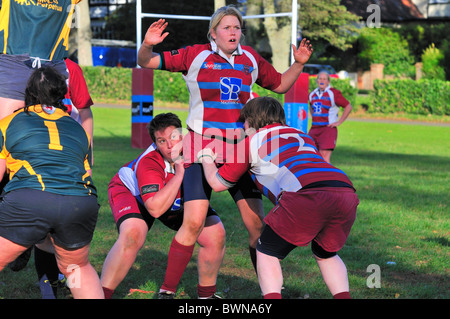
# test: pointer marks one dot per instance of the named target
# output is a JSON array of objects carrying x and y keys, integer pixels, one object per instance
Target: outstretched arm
[
  {"x": 154, "y": 35},
  {"x": 301, "y": 56}
]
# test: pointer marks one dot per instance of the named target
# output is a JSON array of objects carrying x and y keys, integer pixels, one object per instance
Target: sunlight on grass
[{"x": 401, "y": 173}]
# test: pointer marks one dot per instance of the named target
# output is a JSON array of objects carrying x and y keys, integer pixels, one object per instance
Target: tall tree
[
  {"x": 324, "y": 22},
  {"x": 279, "y": 32},
  {"x": 84, "y": 33},
  {"x": 328, "y": 23}
]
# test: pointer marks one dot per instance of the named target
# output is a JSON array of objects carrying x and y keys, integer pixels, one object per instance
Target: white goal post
[{"x": 140, "y": 15}]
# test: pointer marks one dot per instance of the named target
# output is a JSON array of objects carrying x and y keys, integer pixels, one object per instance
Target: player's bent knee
[
  {"x": 319, "y": 252},
  {"x": 132, "y": 238}
]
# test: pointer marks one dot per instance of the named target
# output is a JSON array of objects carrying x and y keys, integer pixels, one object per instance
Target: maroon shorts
[
  {"x": 125, "y": 205},
  {"x": 325, "y": 215},
  {"x": 325, "y": 137}
]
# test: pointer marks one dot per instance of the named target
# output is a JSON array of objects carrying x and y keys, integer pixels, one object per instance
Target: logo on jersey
[
  {"x": 176, "y": 204},
  {"x": 230, "y": 88},
  {"x": 317, "y": 107},
  {"x": 48, "y": 109},
  {"x": 149, "y": 189},
  {"x": 212, "y": 66}
]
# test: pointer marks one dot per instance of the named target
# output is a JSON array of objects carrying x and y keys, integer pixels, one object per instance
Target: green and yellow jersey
[
  {"x": 39, "y": 28},
  {"x": 46, "y": 150}
]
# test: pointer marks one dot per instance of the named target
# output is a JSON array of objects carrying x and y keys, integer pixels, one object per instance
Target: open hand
[
  {"x": 304, "y": 51},
  {"x": 155, "y": 33}
]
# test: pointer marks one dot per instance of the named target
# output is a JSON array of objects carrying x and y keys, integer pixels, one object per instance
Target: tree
[
  {"x": 324, "y": 22},
  {"x": 84, "y": 33},
  {"x": 279, "y": 33},
  {"x": 383, "y": 45},
  {"x": 329, "y": 23}
]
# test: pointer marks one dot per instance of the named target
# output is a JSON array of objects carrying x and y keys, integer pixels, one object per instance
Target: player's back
[{"x": 46, "y": 151}]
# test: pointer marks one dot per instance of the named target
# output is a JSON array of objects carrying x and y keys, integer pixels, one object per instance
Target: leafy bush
[
  {"x": 169, "y": 87},
  {"x": 432, "y": 59},
  {"x": 409, "y": 96},
  {"x": 108, "y": 84},
  {"x": 382, "y": 45}
]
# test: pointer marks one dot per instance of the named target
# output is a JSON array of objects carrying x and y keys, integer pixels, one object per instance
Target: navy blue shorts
[
  {"x": 196, "y": 187},
  {"x": 15, "y": 71},
  {"x": 28, "y": 215}
]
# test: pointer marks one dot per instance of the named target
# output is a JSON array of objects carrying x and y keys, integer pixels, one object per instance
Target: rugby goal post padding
[
  {"x": 141, "y": 107},
  {"x": 296, "y": 103}
]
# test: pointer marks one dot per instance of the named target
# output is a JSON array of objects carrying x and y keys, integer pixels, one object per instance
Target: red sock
[
  {"x": 342, "y": 295},
  {"x": 206, "y": 291},
  {"x": 272, "y": 295},
  {"x": 108, "y": 292},
  {"x": 179, "y": 256}
]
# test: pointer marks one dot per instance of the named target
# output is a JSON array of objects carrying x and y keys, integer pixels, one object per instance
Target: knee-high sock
[
  {"x": 47, "y": 271},
  {"x": 178, "y": 258}
]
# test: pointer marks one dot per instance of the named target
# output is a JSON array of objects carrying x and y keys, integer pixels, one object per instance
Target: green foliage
[
  {"x": 432, "y": 59},
  {"x": 409, "y": 96},
  {"x": 169, "y": 87},
  {"x": 389, "y": 96},
  {"x": 108, "y": 84},
  {"x": 327, "y": 23},
  {"x": 382, "y": 45}
]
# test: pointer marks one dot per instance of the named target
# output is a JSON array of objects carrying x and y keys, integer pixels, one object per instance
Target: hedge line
[
  {"x": 108, "y": 84},
  {"x": 409, "y": 96}
]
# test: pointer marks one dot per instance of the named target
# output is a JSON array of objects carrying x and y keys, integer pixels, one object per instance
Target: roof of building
[{"x": 391, "y": 10}]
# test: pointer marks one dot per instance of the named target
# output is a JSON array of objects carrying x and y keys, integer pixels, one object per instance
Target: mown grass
[{"x": 401, "y": 173}]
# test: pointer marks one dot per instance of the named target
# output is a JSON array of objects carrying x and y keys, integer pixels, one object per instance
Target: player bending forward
[{"x": 314, "y": 201}]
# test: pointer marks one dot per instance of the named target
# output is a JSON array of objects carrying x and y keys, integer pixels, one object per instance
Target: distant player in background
[
  {"x": 315, "y": 202},
  {"x": 324, "y": 105}
]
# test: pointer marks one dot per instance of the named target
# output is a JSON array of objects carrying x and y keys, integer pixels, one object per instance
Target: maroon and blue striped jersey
[
  {"x": 280, "y": 158},
  {"x": 325, "y": 105},
  {"x": 219, "y": 87}
]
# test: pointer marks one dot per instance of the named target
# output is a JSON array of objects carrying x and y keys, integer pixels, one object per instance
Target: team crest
[
  {"x": 48, "y": 109},
  {"x": 247, "y": 69}
]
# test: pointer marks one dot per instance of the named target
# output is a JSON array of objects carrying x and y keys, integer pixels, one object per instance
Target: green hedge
[
  {"x": 409, "y": 96},
  {"x": 108, "y": 84}
]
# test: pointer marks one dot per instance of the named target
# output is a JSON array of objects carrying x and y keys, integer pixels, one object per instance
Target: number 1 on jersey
[{"x": 54, "y": 136}]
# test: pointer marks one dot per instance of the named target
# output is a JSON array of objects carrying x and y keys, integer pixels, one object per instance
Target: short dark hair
[
  {"x": 262, "y": 111},
  {"x": 161, "y": 121},
  {"x": 46, "y": 86}
]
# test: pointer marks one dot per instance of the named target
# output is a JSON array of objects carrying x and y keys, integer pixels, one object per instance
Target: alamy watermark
[
  {"x": 374, "y": 279},
  {"x": 374, "y": 19}
]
